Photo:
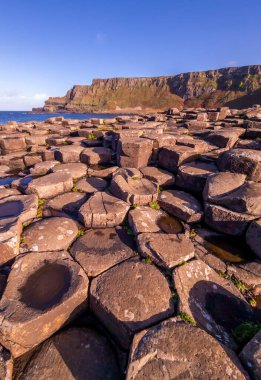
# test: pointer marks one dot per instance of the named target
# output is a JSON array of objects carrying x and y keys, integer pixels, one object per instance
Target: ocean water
[{"x": 22, "y": 116}]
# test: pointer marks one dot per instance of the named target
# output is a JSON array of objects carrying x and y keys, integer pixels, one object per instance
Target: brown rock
[
  {"x": 103, "y": 210},
  {"x": 49, "y": 234},
  {"x": 177, "y": 350},
  {"x": 245, "y": 161},
  {"x": 145, "y": 219},
  {"x": 98, "y": 250},
  {"x": 251, "y": 356},
  {"x": 253, "y": 237},
  {"x": 94, "y": 156},
  {"x": 171, "y": 158},
  {"x": 69, "y": 153},
  {"x": 76, "y": 170},
  {"x": 50, "y": 185},
  {"x": 44, "y": 290},
  {"x": 223, "y": 220},
  {"x": 68, "y": 203},
  {"x": 91, "y": 184},
  {"x": 134, "y": 152},
  {"x": 134, "y": 190},
  {"x": 167, "y": 251},
  {"x": 205, "y": 296},
  {"x": 181, "y": 205},
  {"x": 43, "y": 168},
  {"x": 193, "y": 176},
  {"x": 160, "y": 176},
  {"x": 143, "y": 298}
]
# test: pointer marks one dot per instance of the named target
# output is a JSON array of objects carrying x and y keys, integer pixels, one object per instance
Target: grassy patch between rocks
[
  {"x": 154, "y": 205},
  {"x": 244, "y": 332},
  {"x": 187, "y": 318}
]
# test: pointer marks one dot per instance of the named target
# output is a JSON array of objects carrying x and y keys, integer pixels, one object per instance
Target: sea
[{"x": 22, "y": 116}]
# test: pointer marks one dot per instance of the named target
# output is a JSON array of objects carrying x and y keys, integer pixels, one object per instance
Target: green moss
[
  {"x": 80, "y": 232},
  {"x": 41, "y": 203},
  {"x": 244, "y": 332},
  {"x": 187, "y": 318},
  {"x": 148, "y": 260},
  {"x": 136, "y": 178},
  {"x": 154, "y": 205},
  {"x": 91, "y": 136},
  {"x": 192, "y": 234}
]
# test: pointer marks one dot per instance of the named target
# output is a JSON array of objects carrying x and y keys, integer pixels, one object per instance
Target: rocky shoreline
[{"x": 131, "y": 247}]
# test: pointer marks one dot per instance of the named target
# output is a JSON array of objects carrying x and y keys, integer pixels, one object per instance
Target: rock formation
[
  {"x": 237, "y": 87},
  {"x": 130, "y": 247}
]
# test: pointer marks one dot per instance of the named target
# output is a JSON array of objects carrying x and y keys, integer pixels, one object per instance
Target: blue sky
[{"x": 47, "y": 46}]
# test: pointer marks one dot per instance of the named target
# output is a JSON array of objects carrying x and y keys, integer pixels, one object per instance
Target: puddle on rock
[
  {"x": 228, "y": 249},
  {"x": 46, "y": 287},
  {"x": 170, "y": 225}
]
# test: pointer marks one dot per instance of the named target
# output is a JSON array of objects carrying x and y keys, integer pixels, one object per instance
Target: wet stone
[
  {"x": 177, "y": 350},
  {"x": 49, "y": 234},
  {"x": 98, "y": 250},
  {"x": 43, "y": 292},
  {"x": 167, "y": 251},
  {"x": 138, "y": 304},
  {"x": 181, "y": 205}
]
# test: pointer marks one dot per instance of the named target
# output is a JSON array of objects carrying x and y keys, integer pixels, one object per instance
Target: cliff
[{"x": 233, "y": 86}]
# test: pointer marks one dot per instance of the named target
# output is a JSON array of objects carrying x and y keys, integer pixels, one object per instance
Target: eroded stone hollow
[
  {"x": 10, "y": 209},
  {"x": 46, "y": 287}
]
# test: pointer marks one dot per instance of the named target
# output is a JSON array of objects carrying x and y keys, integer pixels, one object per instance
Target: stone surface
[
  {"x": 192, "y": 176},
  {"x": 76, "y": 170},
  {"x": 145, "y": 219},
  {"x": 91, "y": 184},
  {"x": 224, "y": 220},
  {"x": 44, "y": 289},
  {"x": 94, "y": 156},
  {"x": 49, "y": 234},
  {"x": 138, "y": 303},
  {"x": 205, "y": 296},
  {"x": 43, "y": 168},
  {"x": 6, "y": 364},
  {"x": 69, "y": 203},
  {"x": 98, "y": 250},
  {"x": 133, "y": 189},
  {"x": 171, "y": 158},
  {"x": 251, "y": 356},
  {"x": 76, "y": 353},
  {"x": 134, "y": 152},
  {"x": 245, "y": 161},
  {"x": 103, "y": 210},
  {"x": 69, "y": 153},
  {"x": 160, "y": 176},
  {"x": 50, "y": 185},
  {"x": 177, "y": 350},
  {"x": 222, "y": 184},
  {"x": 167, "y": 251},
  {"x": 22, "y": 207},
  {"x": 253, "y": 237},
  {"x": 181, "y": 205}
]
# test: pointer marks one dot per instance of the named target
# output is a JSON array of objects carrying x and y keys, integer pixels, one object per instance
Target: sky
[{"x": 47, "y": 46}]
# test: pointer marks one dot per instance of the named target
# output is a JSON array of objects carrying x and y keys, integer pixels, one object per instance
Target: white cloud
[
  {"x": 232, "y": 63},
  {"x": 101, "y": 38},
  {"x": 15, "y": 101}
]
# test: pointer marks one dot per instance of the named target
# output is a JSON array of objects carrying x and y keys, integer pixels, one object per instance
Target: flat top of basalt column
[
  {"x": 70, "y": 202},
  {"x": 133, "y": 293},
  {"x": 100, "y": 249},
  {"x": 49, "y": 234},
  {"x": 75, "y": 353},
  {"x": 75, "y": 169},
  {"x": 198, "y": 168},
  {"x": 91, "y": 184},
  {"x": 177, "y": 350},
  {"x": 166, "y": 250}
]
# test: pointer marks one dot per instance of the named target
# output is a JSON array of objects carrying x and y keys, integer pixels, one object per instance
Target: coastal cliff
[{"x": 237, "y": 87}]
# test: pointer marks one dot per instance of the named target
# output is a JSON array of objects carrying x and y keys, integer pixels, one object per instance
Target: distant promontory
[{"x": 236, "y": 87}]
